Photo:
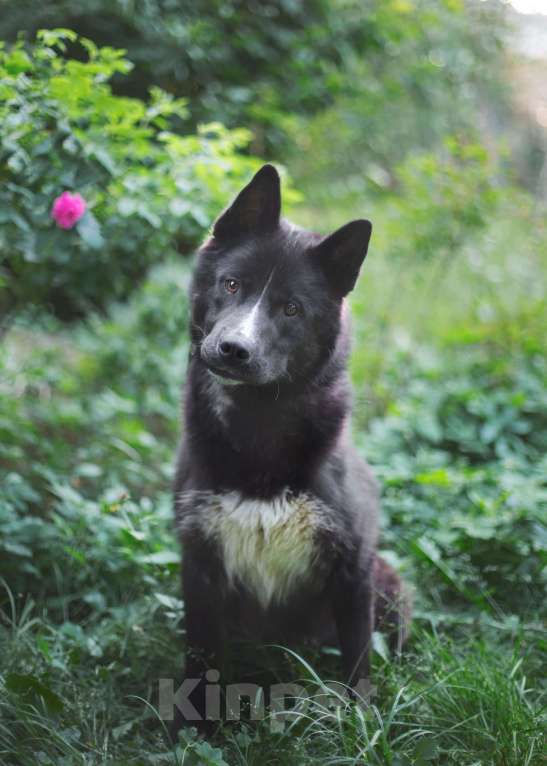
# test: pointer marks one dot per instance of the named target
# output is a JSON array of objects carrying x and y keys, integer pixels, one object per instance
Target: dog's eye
[
  {"x": 232, "y": 285},
  {"x": 291, "y": 308}
]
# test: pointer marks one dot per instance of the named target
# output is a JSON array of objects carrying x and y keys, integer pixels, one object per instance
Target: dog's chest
[{"x": 268, "y": 546}]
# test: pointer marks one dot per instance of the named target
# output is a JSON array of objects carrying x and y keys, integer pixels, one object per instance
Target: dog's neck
[{"x": 270, "y": 436}]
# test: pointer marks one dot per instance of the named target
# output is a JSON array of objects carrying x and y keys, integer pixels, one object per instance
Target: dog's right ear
[
  {"x": 255, "y": 209},
  {"x": 341, "y": 254}
]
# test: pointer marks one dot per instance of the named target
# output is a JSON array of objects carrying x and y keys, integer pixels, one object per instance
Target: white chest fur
[{"x": 266, "y": 545}]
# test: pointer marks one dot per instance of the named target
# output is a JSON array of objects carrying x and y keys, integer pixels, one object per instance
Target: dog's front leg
[
  {"x": 203, "y": 599},
  {"x": 353, "y": 613}
]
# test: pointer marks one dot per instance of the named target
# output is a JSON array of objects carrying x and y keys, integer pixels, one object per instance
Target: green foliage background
[
  {"x": 268, "y": 64},
  {"x": 396, "y": 110}
]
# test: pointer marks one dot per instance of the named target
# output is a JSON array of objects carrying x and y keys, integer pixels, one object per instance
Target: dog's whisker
[{"x": 196, "y": 326}]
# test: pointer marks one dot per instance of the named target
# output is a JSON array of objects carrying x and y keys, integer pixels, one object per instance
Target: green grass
[{"x": 450, "y": 409}]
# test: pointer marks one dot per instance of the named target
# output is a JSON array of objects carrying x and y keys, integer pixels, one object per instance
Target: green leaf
[
  {"x": 426, "y": 750},
  {"x": 89, "y": 230},
  {"x": 161, "y": 557},
  {"x": 211, "y": 756},
  {"x": 28, "y": 686},
  {"x": 169, "y": 601}
]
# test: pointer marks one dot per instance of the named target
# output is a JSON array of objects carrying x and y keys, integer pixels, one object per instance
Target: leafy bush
[
  {"x": 423, "y": 72},
  {"x": 149, "y": 192},
  {"x": 398, "y": 72},
  {"x": 461, "y": 458},
  {"x": 94, "y": 423},
  {"x": 443, "y": 200}
]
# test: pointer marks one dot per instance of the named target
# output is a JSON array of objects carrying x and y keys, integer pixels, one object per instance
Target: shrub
[
  {"x": 93, "y": 412},
  {"x": 399, "y": 73},
  {"x": 445, "y": 199},
  {"x": 148, "y": 191}
]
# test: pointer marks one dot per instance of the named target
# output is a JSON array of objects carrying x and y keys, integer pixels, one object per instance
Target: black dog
[{"x": 277, "y": 512}]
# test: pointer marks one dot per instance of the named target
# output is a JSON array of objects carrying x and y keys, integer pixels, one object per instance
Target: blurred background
[{"x": 427, "y": 116}]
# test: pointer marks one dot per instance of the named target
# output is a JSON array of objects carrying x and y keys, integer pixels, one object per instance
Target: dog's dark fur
[{"x": 268, "y": 313}]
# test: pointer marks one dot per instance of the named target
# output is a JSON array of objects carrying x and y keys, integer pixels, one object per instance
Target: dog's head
[{"x": 267, "y": 295}]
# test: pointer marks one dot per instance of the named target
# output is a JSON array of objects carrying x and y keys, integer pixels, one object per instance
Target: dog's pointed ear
[
  {"x": 256, "y": 208},
  {"x": 341, "y": 254}
]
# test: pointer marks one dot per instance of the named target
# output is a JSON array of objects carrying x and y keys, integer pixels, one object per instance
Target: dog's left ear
[
  {"x": 255, "y": 209},
  {"x": 342, "y": 253}
]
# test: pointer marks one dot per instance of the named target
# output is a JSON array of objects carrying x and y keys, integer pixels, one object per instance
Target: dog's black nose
[{"x": 235, "y": 350}]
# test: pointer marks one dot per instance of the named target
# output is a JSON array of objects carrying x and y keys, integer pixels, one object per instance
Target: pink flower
[{"x": 68, "y": 209}]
